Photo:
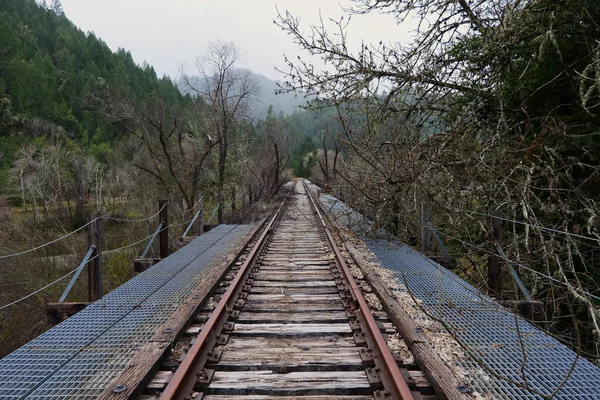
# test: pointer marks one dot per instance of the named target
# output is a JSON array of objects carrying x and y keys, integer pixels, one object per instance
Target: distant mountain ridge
[{"x": 285, "y": 103}]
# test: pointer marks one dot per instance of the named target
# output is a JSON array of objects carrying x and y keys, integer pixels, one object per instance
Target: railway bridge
[{"x": 296, "y": 306}]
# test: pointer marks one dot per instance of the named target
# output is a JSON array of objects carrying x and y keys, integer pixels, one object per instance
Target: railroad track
[{"x": 288, "y": 321}]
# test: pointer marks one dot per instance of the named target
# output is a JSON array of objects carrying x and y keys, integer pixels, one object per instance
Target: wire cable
[
  {"x": 39, "y": 290},
  {"x": 48, "y": 243},
  {"x": 565, "y": 284},
  {"x": 20, "y": 253},
  {"x": 597, "y": 240},
  {"x": 73, "y": 271}
]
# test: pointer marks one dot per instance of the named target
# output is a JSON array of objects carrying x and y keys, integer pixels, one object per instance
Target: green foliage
[
  {"x": 304, "y": 158},
  {"x": 52, "y": 71},
  {"x": 102, "y": 152}
]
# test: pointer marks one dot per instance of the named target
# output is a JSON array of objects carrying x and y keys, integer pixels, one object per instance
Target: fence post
[
  {"x": 200, "y": 220},
  {"x": 221, "y": 202},
  {"x": 425, "y": 231},
  {"x": 164, "y": 233},
  {"x": 95, "y": 265},
  {"x": 233, "y": 196},
  {"x": 494, "y": 259}
]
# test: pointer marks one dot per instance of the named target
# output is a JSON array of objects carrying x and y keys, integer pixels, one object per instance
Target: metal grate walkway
[
  {"x": 80, "y": 357},
  {"x": 519, "y": 354}
]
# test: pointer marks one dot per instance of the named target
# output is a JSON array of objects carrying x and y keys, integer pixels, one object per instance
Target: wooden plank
[
  {"x": 262, "y": 283},
  {"x": 142, "y": 264},
  {"x": 293, "y": 382},
  {"x": 293, "y": 273},
  {"x": 295, "y": 264},
  {"x": 329, "y": 316},
  {"x": 267, "y": 397},
  {"x": 264, "y": 358},
  {"x": 144, "y": 363},
  {"x": 301, "y": 329},
  {"x": 296, "y": 260},
  {"x": 304, "y": 343},
  {"x": 160, "y": 380},
  {"x": 291, "y": 277},
  {"x": 292, "y": 267},
  {"x": 292, "y": 306},
  {"x": 295, "y": 290},
  {"x": 440, "y": 376},
  {"x": 309, "y": 298},
  {"x": 304, "y": 250},
  {"x": 61, "y": 311}
]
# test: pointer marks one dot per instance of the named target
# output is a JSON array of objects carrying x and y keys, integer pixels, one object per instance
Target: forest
[
  {"x": 84, "y": 129},
  {"x": 491, "y": 111}
]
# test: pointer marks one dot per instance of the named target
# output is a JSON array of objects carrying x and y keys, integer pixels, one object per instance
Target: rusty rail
[
  {"x": 390, "y": 374},
  {"x": 192, "y": 369}
]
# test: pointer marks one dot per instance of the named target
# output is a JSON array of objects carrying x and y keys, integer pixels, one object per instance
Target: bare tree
[
  {"x": 491, "y": 107},
  {"x": 171, "y": 144},
  {"x": 227, "y": 91}
]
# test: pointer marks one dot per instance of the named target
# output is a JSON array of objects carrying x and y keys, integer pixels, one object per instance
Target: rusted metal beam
[
  {"x": 192, "y": 367},
  {"x": 391, "y": 376}
]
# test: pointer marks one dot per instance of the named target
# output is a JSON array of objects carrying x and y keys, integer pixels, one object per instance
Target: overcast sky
[{"x": 167, "y": 33}]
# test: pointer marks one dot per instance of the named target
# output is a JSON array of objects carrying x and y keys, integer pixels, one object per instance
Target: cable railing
[{"x": 88, "y": 258}]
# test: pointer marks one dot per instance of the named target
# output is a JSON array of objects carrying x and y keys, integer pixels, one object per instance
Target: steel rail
[
  {"x": 392, "y": 378},
  {"x": 185, "y": 377}
]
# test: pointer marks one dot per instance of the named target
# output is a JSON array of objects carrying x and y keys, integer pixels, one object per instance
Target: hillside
[{"x": 51, "y": 74}]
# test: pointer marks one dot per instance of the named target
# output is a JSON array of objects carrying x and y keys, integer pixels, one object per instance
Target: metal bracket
[
  {"x": 359, "y": 338},
  {"x": 200, "y": 210},
  {"x": 222, "y": 339},
  {"x": 234, "y": 314},
  {"x": 373, "y": 377},
  {"x": 354, "y": 325},
  {"x": 205, "y": 376},
  {"x": 228, "y": 326},
  {"x": 349, "y": 304},
  {"x": 366, "y": 355},
  {"x": 382, "y": 395},
  {"x": 239, "y": 303},
  {"x": 77, "y": 272},
  {"x": 154, "y": 235},
  {"x": 215, "y": 355}
]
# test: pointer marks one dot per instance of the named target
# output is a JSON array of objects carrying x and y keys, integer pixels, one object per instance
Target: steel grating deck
[
  {"x": 518, "y": 353},
  {"x": 80, "y": 357}
]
